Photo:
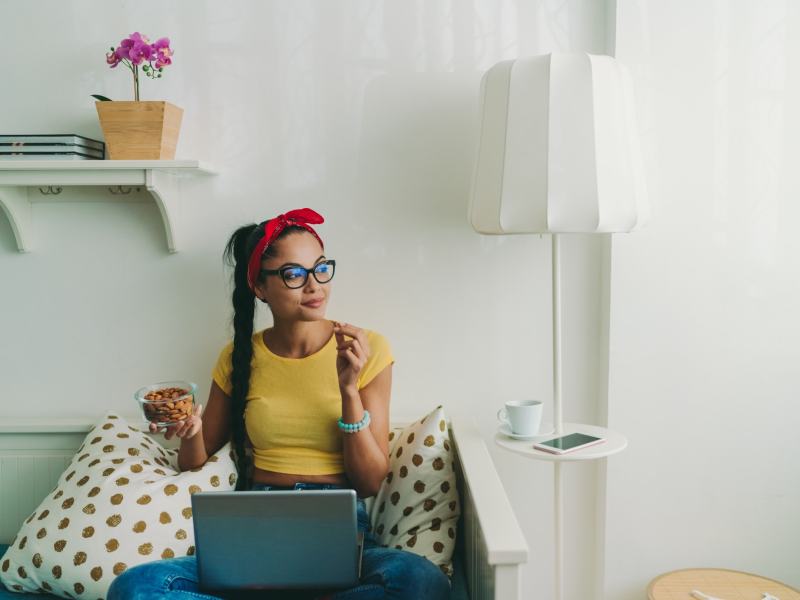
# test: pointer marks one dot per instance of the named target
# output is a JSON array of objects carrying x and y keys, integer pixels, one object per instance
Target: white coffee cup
[{"x": 523, "y": 417}]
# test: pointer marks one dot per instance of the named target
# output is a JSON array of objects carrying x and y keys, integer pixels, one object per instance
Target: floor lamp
[{"x": 557, "y": 153}]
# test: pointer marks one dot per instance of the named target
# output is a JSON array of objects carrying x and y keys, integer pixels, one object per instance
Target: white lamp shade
[{"x": 558, "y": 149}]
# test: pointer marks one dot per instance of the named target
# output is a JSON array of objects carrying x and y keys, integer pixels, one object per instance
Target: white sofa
[{"x": 490, "y": 546}]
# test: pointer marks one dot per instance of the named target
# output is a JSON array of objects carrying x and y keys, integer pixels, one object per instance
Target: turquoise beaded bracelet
[{"x": 353, "y": 427}]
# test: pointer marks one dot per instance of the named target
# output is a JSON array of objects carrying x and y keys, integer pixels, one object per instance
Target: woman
[{"x": 310, "y": 395}]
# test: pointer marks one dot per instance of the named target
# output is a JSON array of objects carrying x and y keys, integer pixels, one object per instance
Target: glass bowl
[{"x": 167, "y": 402}]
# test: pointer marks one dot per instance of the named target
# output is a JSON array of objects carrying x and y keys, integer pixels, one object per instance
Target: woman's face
[{"x": 296, "y": 249}]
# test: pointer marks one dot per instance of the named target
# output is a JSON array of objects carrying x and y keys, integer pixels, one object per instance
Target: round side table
[
  {"x": 614, "y": 442},
  {"x": 718, "y": 583}
]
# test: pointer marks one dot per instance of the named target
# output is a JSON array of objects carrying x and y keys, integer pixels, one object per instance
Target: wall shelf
[{"x": 20, "y": 179}]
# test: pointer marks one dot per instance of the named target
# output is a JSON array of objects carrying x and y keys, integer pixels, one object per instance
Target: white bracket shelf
[{"x": 161, "y": 178}]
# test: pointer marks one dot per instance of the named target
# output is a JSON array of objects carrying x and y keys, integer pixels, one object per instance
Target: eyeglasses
[{"x": 295, "y": 277}]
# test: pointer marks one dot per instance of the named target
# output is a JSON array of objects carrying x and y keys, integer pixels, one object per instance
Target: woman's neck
[{"x": 298, "y": 339}]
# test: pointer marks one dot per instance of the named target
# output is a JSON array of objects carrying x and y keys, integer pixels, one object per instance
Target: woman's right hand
[{"x": 185, "y": 429}]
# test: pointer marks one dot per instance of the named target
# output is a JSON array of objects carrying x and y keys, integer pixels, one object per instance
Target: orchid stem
[{"x": 135, "y": 71}]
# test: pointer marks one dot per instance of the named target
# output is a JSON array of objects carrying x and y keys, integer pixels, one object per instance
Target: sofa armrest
[{"x": 502, "y": 534}]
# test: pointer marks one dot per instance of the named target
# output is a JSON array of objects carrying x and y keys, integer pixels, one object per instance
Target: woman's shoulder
[
  {"x": 378, "y": 342},
  {"x": 227, "y": 347},
  {"x": 376, "y": 335},
  {"x": 375, "y": 338},
  {"x": 380, "y": 356},
  {"x": 373, "y": 335}
]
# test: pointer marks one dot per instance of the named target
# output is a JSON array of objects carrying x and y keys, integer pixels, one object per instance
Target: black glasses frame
[{"x": 282, "y": 273}]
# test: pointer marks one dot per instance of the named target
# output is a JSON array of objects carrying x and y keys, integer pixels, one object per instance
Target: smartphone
[{"x": 568, "y": 443}]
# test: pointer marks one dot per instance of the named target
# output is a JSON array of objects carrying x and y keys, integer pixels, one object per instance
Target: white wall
[
  {"x": 704, "y": 324},
  {"x": 364, "y": 111}
]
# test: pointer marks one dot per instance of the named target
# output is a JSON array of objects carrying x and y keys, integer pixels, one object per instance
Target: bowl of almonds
[{"x": 166, "y": 403}]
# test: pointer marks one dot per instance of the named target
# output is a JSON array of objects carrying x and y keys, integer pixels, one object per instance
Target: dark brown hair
[{"x": 237, "y": 255}]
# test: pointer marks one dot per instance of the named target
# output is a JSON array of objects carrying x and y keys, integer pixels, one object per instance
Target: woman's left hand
[{"x": 352, "y": 354}]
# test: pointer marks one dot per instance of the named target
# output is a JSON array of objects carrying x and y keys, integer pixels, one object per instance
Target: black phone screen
[{"x": 570, "y": 441}]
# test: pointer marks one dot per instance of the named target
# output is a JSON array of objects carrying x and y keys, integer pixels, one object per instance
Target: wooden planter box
[{"x": 140, "y": 130}]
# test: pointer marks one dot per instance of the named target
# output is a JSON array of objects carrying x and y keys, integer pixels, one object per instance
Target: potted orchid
[{"x": 140, "y": 129}]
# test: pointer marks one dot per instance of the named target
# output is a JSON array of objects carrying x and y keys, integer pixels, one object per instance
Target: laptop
[{"x": 277, "y": 539}]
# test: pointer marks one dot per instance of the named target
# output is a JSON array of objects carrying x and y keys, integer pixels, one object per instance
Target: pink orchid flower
[{"x": 135, "y": 51}]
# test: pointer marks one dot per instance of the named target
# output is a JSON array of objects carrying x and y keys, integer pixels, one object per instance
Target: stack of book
[{"x": 50, "y": 147}]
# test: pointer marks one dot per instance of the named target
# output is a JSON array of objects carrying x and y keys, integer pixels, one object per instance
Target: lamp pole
[
  {"x": 557, "y": 416},
  {"x": 556, "y": 256}
]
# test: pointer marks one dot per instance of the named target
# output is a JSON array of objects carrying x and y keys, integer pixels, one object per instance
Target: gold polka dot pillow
[
  {"x": 417, "y": 507},
  {"x": 122, "y": 501}
]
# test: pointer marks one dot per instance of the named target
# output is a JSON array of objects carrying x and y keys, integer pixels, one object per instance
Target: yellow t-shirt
[{"x": 293, "y": 404}]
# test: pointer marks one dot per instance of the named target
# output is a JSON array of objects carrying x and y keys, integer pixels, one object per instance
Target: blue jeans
[{"x": 385, "y": 573}]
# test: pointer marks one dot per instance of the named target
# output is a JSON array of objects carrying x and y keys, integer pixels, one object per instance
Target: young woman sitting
[{"x": 309, "y": 395}]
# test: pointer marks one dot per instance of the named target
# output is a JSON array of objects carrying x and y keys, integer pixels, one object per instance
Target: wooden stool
[{"x": 719, "y": 583}]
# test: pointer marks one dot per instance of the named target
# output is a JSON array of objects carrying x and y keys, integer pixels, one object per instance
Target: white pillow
[
  {"x": 122, "y": 501},
  {"x": 417, "y": 507}
]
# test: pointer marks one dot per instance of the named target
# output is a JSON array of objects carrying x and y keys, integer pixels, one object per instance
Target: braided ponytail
[
  {"x": 243, "y": 312},
  {"x": 237, "y": 254}
]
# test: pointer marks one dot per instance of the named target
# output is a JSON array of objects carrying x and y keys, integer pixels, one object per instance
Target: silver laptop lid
[{"x": 276, "y": 539}]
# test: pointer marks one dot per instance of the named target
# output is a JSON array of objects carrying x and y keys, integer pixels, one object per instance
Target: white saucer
[{"x": 545, "y": 429}]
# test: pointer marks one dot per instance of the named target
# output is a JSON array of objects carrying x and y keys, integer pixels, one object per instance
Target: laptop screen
[{"x": 276, "y": 539}]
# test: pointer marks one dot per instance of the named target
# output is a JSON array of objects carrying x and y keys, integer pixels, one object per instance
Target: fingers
[
  {"x": 346, "y": 351},
  {"x": 354, "y": 353},
  {"x": 355, "y": 349},
  {"x": 189, "y": 428},
  {"x": 355, "y": 346},
  {"x": 167, "y": 430},
  {"x": 184, "y": 426},
  {"x": 347, "y": 329},
  {"x": 198, "y": 422},
  {"x": 183, "y": 429},
  {"x": 338, "y": 332},
  {"x": 352, "y": 331},
  {"x": 354, "y": 361}
]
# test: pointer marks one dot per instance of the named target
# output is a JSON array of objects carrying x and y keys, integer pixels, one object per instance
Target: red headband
[{"x": 272, "y": 229}]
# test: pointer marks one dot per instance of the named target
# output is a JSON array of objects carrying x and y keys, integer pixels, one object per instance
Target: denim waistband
[{"x": 300, "y": 485}]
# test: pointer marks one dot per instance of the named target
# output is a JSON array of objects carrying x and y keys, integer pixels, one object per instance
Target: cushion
[
  {"x": 7, "y": 595},
  {"x": 122, "y": 501},
  {"x": 417, "y": 507}
]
